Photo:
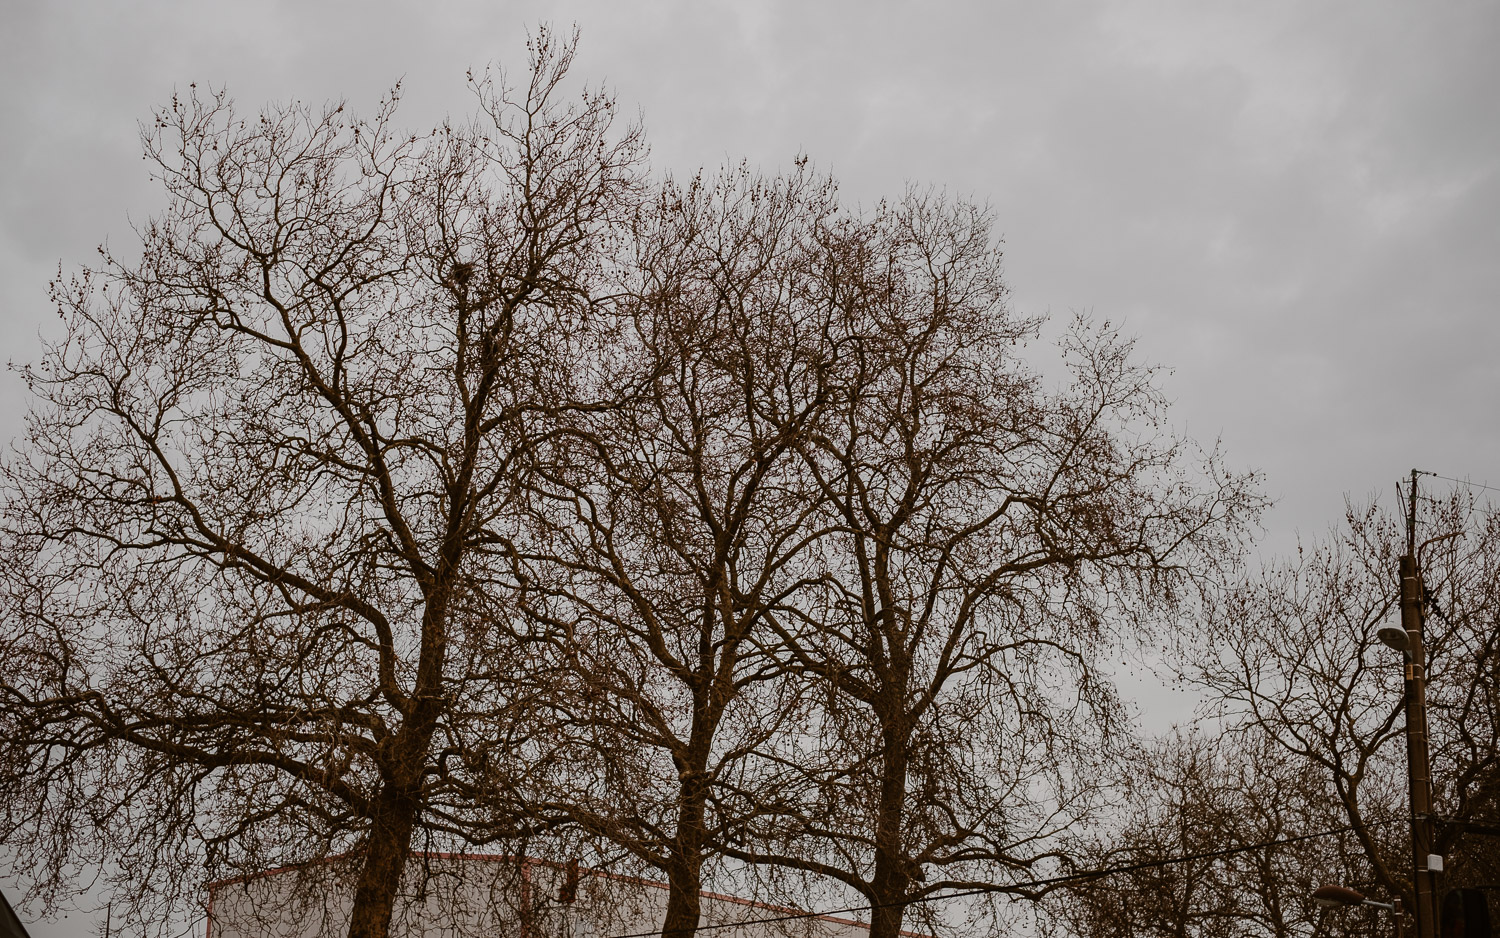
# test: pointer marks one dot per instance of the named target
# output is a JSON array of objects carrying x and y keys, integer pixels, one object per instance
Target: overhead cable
[{"x": 1083, "y": 876}]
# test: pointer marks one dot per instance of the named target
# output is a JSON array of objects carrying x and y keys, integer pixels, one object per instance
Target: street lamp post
[
  {"x": 1407, "y": 639},
  {"x": 1420, "y": 776}
]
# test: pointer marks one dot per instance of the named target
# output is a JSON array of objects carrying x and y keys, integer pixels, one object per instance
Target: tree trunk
[
  {"x": 685, "y": 870},
  {"x": 684, "y": 908},
  {"x": 394, "y": 817},
  {"x": 888, "y": 887},
  {"x": 385, "y": 860},
  {"x": 400, "y": 797}
]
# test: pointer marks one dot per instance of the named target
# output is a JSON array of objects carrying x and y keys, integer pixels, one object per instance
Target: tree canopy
[{"x": 478, "y": 487}]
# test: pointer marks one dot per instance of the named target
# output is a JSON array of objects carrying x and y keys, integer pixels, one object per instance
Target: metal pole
[{"x": 1416, "y": 732}]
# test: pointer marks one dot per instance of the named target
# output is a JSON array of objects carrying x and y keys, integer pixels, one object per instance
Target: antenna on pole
[{"x": 1411, "y": 515}]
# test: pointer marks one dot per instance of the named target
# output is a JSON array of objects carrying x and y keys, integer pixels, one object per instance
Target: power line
[
  {"x": 1049, "y": 881},
  {"x": 1477, "y": 485}
]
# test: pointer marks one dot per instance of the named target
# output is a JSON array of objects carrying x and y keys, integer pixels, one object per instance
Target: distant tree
[
  {"x": 1310, "y": 707},
  {"x": 1190, "y": 798},
  {"x": 1291, "y": 656},
  {"x": 254, "y": 564},
  {"x": 990, "y": 540}
]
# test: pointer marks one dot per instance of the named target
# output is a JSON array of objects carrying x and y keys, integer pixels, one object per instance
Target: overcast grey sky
[{"x": 1296, "y": 205}]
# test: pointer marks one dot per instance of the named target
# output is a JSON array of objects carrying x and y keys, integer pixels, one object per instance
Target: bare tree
[
  {"x": 1291, "y": 657},
  {"x": 1309, "y": 706},
  {"x": 1190, "y": 843},
  {"x": 254, "y": 573},
  {"x": 990, "y": 539},
  {"x": 447, "y": 487},
  {"x": 674, "y": 526}
]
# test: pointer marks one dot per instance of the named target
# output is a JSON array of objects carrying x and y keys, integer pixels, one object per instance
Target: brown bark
[
  {"x": 892, "y": 878},
  {"x": 685, "y": 852},
  {"x": 386, "y": 852},
  {"x": 685, "y": 871}
]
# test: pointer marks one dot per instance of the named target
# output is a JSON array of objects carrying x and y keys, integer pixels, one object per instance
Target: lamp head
[
  {"x": 1395, "y": 637},
  {"x": 1329, "y": 897}
]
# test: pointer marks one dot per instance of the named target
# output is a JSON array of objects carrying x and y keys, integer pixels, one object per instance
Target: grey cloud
[{"x": 1295, "y": 205}]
